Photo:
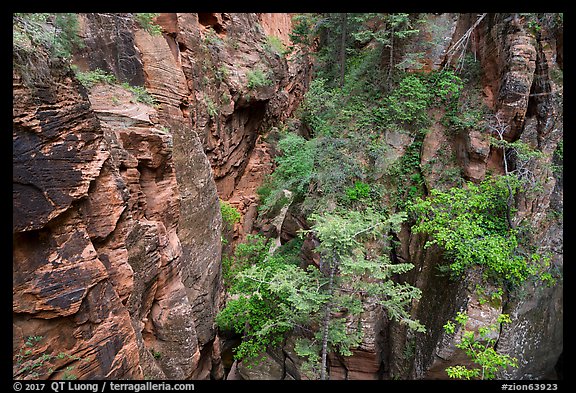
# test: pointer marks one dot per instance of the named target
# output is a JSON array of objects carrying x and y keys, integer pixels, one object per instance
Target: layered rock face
[
  {"x": 239, "y": 87},
  {"x": 117, "y": 225},
  {"x": 116, "y": 253},
  {"x": 72, "y": 275}
]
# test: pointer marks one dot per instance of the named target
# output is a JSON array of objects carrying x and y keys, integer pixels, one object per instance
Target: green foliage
[
  {"x": 275, "y": 44},
  {"x": 303, "y": 29},
  {"x": 341, "y": 35},
  {"x": 253, "y": 250},
  {"x": 140, "y": 94},
  {"x": 270, "y": 295},
  {"x": 295, "y": 166},
  {"x": 355, "y": 275},
  {"x": 450, "y": 327},
  {"x": 66, "y": 36},
  {"x": 470, "y": 225},
  {"x": 33, "y": 363},
  {"x": 408, "y": 103},
  {"x": 319, "y": 106},
  {"x": 416, "y": 93},
  {"x": 230, "y": 215},
  {"x": 462, "y": 372},
  {"x": 146, "y": 21},
  {"x": 480, "y": 349},
  {"x": 492, "y": 297},
  {"x": 359, "y": 191},
  {"x": 350, "y": 123},
  {"x": 396, "y": 26},
  {"x": 221, "y": 74},
  {"x": 404, "y": 176},
  {"x": 56, "y": 32},
  {"x": 342, "y": 236},
  {"x": 315, "y": 171},
  {"x": 91, "y": 78},
  {"x": 211, "y": 107},
  {"x": 310, "y": 351},
  {"x": 256, "y": 79},
  {"x": 212, "y": 38},
  {"x": 559, "y": 152}
]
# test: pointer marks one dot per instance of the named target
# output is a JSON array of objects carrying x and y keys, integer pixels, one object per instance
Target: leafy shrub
[
  {"x": 211, "y": 107},
  {"x": 261, "y": 285},
  {"x": 91, "y": 78},
  {"x": 294, "y": 170},
  {"x": 146, "y": 21},
  {"x": 481, "y": 350},
  {"x": 32, "y": 364},
  {"x": 359, "y": 191},
  {"x": 230, "y": 215},
  {"x": 409, "y": 101},
  {"x": 274, "y": 43},
  {"x": 140, "y": 94},
  {"x": 319, "y": 107},
  {"x": 470, "y": 224},
  {"x": 257, "y": 78},
  {"x": 56, "y": 32}
]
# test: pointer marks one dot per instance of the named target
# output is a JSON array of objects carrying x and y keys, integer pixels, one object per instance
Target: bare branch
[{"x": 462, "y": 43}]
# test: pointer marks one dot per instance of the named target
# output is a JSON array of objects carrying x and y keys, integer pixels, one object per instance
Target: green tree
[
  {"x": 230, "y": 215},
  {"x": 470, "y": 224},
  {"x": 146, "y": 21},
  {"x": 480, "y": 348},
  {"x": 347, "y": 264},
  {"x": 272, "y": 296},
  {"x": 56, "y": 32}
]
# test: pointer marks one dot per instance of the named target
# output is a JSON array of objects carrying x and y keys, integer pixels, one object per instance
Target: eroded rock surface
[{"x": 98, "y": 256}]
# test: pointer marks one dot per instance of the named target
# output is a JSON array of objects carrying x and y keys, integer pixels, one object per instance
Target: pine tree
[
  {"x": 274, "y": 297},
  {"x": 356, "y": 275}
]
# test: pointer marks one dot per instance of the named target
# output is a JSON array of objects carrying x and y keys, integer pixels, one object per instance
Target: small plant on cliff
[
  {"x": 91, "y": 78},
  {"x": 140, "y": 94},
  {"x": 274, "y": 44},
  {"x": 146, "y": 21},
  {"x": 32, "y": 364},
  {"x": 211, "y": 107},
  {"x": 480, "y": 349},
  {"x": 360, "y": 191},
  {"x": 56, "y": 32},
  {"x": 256, "y": 79},
  {"x": 230, "y": 215}
]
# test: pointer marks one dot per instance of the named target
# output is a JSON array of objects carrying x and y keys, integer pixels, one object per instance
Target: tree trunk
[
  {"x": 344, "y": 21},
  {"x": 328, "y": 309}
]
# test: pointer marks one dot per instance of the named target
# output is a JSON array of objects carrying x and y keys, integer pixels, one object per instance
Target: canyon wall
[{"x": 116, "y": 219}]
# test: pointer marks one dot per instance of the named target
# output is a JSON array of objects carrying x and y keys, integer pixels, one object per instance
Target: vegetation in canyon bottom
[{"x": 356, "y": 195}]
